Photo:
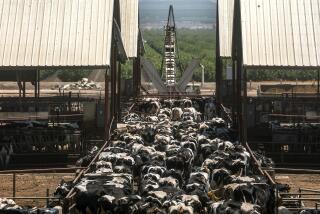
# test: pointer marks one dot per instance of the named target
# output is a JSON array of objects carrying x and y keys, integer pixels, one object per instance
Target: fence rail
[
  {"x": 32, "y": 171},
  {"x": 50, "y": 170}
]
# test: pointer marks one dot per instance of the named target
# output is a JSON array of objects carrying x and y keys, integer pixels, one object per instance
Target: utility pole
[{"x": 202, "y": 68}]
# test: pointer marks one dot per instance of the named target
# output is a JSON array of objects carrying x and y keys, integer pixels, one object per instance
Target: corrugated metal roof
[
  {"x": 225, "y": 11},
  {"x": 281, "y": 33},
  {"x": 60, "y": 33},
  {"x": 129, "y": 10}
]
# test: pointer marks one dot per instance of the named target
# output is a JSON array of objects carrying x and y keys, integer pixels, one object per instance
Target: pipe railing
[
  {"x": 300, "y": 197},
  {"x": 33, "y": 198},
  {"x": 309, "y": 190},
  {"x": 299, "y": 194},
  {"x": 31, "y": 171},
  {"x": 14, "y": 174},
  {"x": 294, "y": 170},
  {"x": 47, "y": 198},
  {"x": 300, "y": 208},
  {"x": 262, "y": 172}
]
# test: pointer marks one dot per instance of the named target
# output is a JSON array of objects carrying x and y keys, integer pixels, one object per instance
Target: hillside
[
  {"x": 201, "y": 44},
  {"x": 188, "y": 13},
  {"x": 192, "y": 44}
]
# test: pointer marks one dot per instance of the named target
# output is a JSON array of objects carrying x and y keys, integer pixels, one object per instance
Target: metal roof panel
[
  {"x": 225, "y": 13},
  {"x": 129, "y": 10},
  {"x": 55, "y": 33},
  {"x": 280, "y": 33}
]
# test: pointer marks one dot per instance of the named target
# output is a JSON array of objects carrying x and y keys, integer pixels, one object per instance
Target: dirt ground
[
  {"x": 296, "y": 181},
  {"x": 31, "y": 185}
]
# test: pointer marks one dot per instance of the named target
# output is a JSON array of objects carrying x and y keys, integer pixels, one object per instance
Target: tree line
[{"x": 200, "y": 44}]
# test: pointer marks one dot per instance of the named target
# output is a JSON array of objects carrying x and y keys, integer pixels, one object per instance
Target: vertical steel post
[
  {"x": 239, "y": 100},
  {"x": 245, "y": 109},
  {"x": 113, "y": 86},
  {"x": 134, "y": 77},
  {"x": 219, "y": 83},
  {"x": 106, "y": 105},
  {"x": 139, "y": 73},
  {"x": 14, "y": 185},
  {"x": 47, "y": 195},
  {"x": 24, "y": 89},
  {"x": 38, "y": 79},
  {"x": 36, "y": 85},
  {"x": 218, "y": 63},
  {"x": 20, "y": 95},
  {"x": 234, "y": 93},
  {"x": 318, "y": 90},
  {"x": 300, "y": 197},
  {"x": 237, "y": 57},
  {"x": 114, "y": 69},
  {"x": 137, "y": 67},
  {"x": 119, "y": 93},
  {"x": 277, "y": 204},
  {"x": 69, "y": 101},
  {"x": 19, "y": 82}
]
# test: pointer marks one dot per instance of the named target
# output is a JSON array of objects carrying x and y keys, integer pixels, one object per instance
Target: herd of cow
[{"x": 169, "y": 159}]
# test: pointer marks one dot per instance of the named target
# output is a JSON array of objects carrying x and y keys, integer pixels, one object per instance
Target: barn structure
[
  {"x": 71, "y": 35},
  {"x": 40, "y": 35},
  {"x": 266, "y": 35}
]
